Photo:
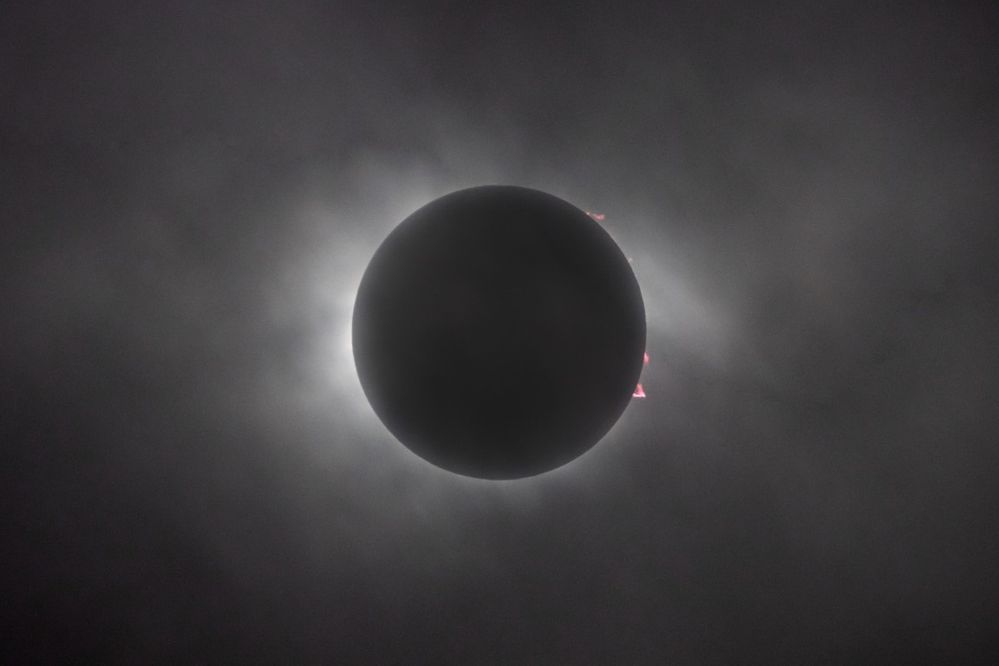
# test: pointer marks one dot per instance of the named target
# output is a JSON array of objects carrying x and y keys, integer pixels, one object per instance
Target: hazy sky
[{"x": 189, "y": 192}]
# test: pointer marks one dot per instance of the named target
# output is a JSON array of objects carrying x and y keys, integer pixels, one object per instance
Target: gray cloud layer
[{"x": 190, "y": 194}]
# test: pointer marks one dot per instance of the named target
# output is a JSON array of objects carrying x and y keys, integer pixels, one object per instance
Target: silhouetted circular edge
[{"x": 614, "y": 410}]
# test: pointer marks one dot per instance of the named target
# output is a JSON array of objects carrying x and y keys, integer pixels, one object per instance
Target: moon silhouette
[{"x": 498, "y": 332}]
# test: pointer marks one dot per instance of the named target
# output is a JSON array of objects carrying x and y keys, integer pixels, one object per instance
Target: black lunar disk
[{"x": 498, "y": 332}]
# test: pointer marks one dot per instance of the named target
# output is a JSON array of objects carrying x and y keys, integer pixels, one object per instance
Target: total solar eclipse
[{"x": 498, "y": 332}]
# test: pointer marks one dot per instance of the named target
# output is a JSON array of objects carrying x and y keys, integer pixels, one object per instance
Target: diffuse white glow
[{"x": 340, "y": 241}]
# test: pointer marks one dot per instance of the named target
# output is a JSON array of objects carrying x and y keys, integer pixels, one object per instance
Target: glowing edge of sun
[{"x": 336, "y": 265}]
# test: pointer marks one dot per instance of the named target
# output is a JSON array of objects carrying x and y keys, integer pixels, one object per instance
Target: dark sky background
[{"x": 189, "y": 192}]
